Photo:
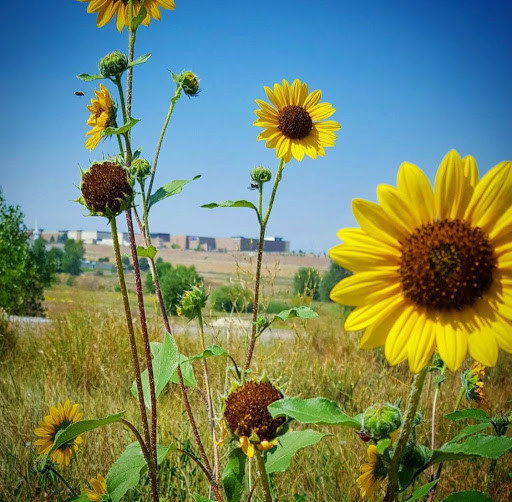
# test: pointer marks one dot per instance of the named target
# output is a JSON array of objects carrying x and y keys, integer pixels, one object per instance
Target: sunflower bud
[
  {"x": 415, "y": 455},
  {"x": 381, "y": 420},
  {"x": 140, "y": 169},
  {"x": 261, "y": 174},
  {"x": 192, "y": 302},
  {"x": 501, "y": 421},
  {"x": 113, "y": 64},
  {"x": 473, "y": 385},
  {"x": 106, "y": 189}
]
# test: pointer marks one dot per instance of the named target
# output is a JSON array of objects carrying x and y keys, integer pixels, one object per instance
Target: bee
[
  {"x": 254, "y": 186},
  {"x": 363, "y": 436},
  {"x": 79, "y": 93}
]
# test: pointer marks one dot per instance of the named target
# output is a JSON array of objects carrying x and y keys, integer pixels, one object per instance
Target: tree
[
  {"x": 334, "y": 275},
  {"x": 72, "y": 258},
  {"x": 174, "y": 281},
  {"x": 306, "y": 282},
  {"x": 45, "y": 262},
  {"x": 55, "y": 256},
  {"x": 21, "y": 287},
  {"x": 143, "y": 264}
]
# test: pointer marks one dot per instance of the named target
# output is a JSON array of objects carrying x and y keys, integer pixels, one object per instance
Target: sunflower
[
  {"x": 99, "y": 488},
  {"x": 473, "y": 384},
  {"x": 293, "y": 125},
  {"x": 107, "y": 8},
  {"x": 59, "y": 418},
  {"x": 103, "y": 115},
  {"x": 432, "y": 269},
  {"x": 372, "y": 473}
]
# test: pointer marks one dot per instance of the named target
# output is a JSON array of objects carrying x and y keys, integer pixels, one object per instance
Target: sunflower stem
[
  {"x": 434, "y": 406},
  {"x": 68, "y": 486},
  {"x": 405, "y": 432},
  {"x": 263, "y": 475},
  {"x": 137, "y": 435},
  {"x": 261, "y": 244}
]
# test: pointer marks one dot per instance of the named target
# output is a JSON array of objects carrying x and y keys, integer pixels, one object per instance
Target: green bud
[
  {"x": 192, "y": 302},
  {"x": 381, "y": 420},
  {"x": 113, "y": 64},
  {"x": 501, "y": 421},
  {"x": 140, "y": 169},
  {"x": 261, "y": 174},
  {"x": 189, "y": 83},
  {"x": 415, "y": 456}
]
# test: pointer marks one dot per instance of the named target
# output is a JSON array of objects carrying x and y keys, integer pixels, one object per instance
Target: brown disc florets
[
  {"x": 446, "y": 265},
  {"x": 294, "y": 122},
  {"x": 105, "y": 187},
  {"x": 246, "y": 410}
]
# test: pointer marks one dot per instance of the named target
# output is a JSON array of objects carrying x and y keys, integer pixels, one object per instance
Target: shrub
[
  {"x": 334, "y": 275},
  {"x": 72, "y": 258},
  {"x": 174, "y": 281},
  {"x": 276, "y": 306},
  {"x": 232, "y": 299},
  {"x": 306, "y": 282},
  {"x": 144, "y": 264},
  {"x": 8, "y": 338}
]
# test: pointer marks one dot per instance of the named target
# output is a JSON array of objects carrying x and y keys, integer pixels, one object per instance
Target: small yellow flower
[
  {"x": 295, "y": 122},
  {"x": 99, "y": 488},
  {"x": 106, "y": 10},
  {"x": 372, "y": 473},
  {"x": 103, "y": 115},
  {"x": 472, "y": 381},
  {"x": 59, "y": 418}
]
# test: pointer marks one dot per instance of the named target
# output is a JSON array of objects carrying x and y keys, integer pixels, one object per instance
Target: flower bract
[
  {"x": 294, "y": 123},
  {"x": 103, "y": 115},
  {"x": 59, "y": 417},
  {"x": 432, "y": 268},
  {"x": 107, "y": 9}
]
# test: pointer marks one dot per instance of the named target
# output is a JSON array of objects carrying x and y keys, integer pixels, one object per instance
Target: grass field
[{"x": 83, "y": 355}]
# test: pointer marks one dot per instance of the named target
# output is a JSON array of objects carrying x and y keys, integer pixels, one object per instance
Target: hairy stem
[
  {"x": 405, "y": 432},
  {"x": 138, "y": 437},
  {"x": 61, "y": 477},
  {"x": 434, "y": 405},
  {"x": 263, "y": 475}
]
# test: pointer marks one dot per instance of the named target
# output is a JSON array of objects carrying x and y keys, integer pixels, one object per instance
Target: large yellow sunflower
[
  {"x": 106, "y": 10},
  {"x": 59, "y": 418},
  {"x": 432, "y": 269},
  {"x": 99, "y": 488},
  {"x": 295, "y": 125},
  {"x": 103, "y": 115},
  {"x": 372, "y": 473}
]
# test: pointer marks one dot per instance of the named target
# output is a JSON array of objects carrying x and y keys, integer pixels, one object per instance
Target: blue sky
[{"x": 409, "y": 80}]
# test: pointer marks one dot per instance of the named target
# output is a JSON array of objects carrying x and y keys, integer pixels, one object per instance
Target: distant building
[{"x": 228, "y": 244}]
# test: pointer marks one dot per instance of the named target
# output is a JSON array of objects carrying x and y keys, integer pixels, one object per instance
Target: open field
[{"x": 83, "y": 355}]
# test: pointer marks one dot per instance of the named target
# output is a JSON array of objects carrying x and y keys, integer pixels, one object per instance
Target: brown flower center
[
  {"x": 105, "y": 186},
  {"x": 294, "y": 122},
  {"x": 246, "y": 410},
  {"x": 446, "y": 265}
]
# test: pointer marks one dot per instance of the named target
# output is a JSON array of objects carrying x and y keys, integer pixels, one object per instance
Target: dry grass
[{"x": 84, "y": 356}]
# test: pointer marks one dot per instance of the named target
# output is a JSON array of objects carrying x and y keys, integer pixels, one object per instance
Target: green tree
[
  {"x": 232, "y": 299},
  {"x": 174, "y": 281},
  {"x": 45, "y": 263},
  {"x": 334, "y": 275},
  {"x": 21, "y": 287},
  {"x": 72, "y": 258},
  {"x": 306, "y": 282},
  {"x": 55, "y": 256},
  {"x": 144, "y": 264}
]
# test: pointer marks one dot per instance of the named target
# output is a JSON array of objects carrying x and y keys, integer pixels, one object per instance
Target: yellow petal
[
  {"x": 450, "y": 186},
  {"x": 452, "y": 344},
  {"x": 421, "y": 344},
  {"x": 366, "y": 315},
  {"x": 483, "y": 347},
  {"x": 398, "y": 209},
  {"x": 396, "y": 348}
]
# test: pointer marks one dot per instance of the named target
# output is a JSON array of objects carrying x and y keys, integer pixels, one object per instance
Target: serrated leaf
[
  {"x": 278, "y": 459},
  {"x": 233, "y": 475},
  {"x": 303, "y": 312},
  {"x": 317, "y": 410},
  {"x": 136, "y": 20},
  {"x": 211, "y": 351},
  {"x": 171, "y": 188},
  {"x": 76, "y": 428},
  {"x": 468, "y": 496},
  {"x": 126, "y": 471},
  {"x": 121, "y": 130},
  {"x": 187, "y": 372},
  {"x": 470, "y": 429},
  {"x": 474, "y": 413},
  {"x": 422, "y": 491},
  {"x": 165, "y": 362},
  {"x": 88, "y": 78},
  {"x": 480, "y": 445},
  {"x": 149, "y": 252},
  {"x": 140, "y": 60},
  {"x": 231, "y": 203}
]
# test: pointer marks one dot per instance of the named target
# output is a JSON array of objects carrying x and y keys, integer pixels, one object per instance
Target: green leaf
[
  {"x": 278, "y": 459},
  {"x": 136, "y": 20},
  {"x": 231, "y": 203},
  {"x": 140, "y": 60},
  {"x": 88, "y": 78},
  {"x": 187, "y": 372},
  {"x": 165, "y": 362},
  {"x": 126, "y": 471},
  {"x": 470, "y": 429},
  {"x": 200, "y": 498},
  {"x": 76, "y": 428},
  {"x": 405, "y": 476},
  {"x": 422, "y": 491},
  {"x": 121, "y": 130},
  {"x": 303, "y": 312},
  {"x": 468, "y": 496},
  {"x": 171, "y": 188},
  {"x": 480, "y": 445},
  {"x": 475, "y": 413},
  {"x": 233, "y": 475},
  {"x": 211, "y": 351},
  {"x": 383, "y": 445},
  {"x": 317, "y": 410},
  {"x": 149, "y": 252},
  {"x": 79, "y": 498}
]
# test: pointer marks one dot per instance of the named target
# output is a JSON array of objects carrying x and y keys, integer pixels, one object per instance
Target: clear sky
[{"x": 409, "y": 81}]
